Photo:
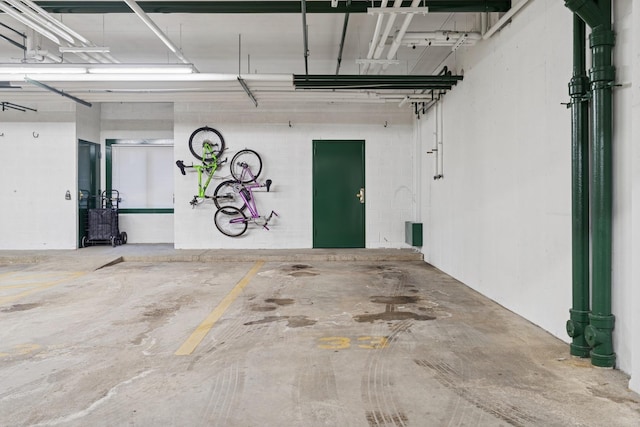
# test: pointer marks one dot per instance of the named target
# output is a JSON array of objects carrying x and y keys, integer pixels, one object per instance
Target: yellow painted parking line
[
  {"x": 40, "y": 287},
  {"x": 203, "y": 329}
]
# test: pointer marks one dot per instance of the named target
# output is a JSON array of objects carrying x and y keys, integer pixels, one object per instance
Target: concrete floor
[{"x": 120, "y": 336}]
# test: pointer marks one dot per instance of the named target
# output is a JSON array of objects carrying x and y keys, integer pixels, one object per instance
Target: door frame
[
  {"x": 94, "y": 184},
  {"x": 360, "y": 240}
]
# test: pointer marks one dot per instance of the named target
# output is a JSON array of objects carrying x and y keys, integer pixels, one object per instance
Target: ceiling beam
[{"x": 265, "y": 6}]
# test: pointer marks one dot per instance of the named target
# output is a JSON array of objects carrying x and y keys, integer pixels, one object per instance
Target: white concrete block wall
[
  {"x": 500, "y": 220},
  {"x": 623, "y": 143},
  {"x": 88, "y": 122},
  {"x": 38, "y": 167},
  {"x": 287, "y": 160},
  {"x": 634, "y": 234}
]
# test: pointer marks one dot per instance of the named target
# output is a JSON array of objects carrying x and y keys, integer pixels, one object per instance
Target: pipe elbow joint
[
  {"x": 587, "y": 10},
  {"x": 599, "y": 336}
]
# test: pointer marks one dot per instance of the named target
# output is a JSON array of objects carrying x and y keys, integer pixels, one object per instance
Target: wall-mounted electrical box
[{"x": 413, "y": 233}]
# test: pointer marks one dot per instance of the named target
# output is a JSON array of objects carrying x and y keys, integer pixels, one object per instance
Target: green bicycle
[{"x": 206, "y": 144}]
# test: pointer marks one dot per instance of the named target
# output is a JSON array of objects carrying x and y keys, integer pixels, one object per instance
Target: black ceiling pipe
[
  {"x": 344, "y": 36},
  {"x": 265, "y": 6},
  {"x": 346, "y": 82}
]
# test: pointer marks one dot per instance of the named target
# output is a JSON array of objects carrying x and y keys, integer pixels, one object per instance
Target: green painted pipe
[
  {"x": 598, "y": 334},
  {"x": 602, "y": 76},
  {"x": 578, "y": 89}
]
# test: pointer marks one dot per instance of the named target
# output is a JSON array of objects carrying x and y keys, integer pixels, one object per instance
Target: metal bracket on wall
[{"x": 11, "y": 106}]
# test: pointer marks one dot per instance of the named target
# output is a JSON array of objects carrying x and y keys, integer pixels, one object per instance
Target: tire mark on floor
[
  {"x": 377, "y": 392},
  {"x": 449, "y": 377},
  {"x": 383, "y": 407},
  {"x": 316, "y": 393},
  {"x": 224, "y": 395}
]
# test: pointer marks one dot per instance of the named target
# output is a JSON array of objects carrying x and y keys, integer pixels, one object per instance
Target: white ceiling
[{"x": 246, "y": 43}]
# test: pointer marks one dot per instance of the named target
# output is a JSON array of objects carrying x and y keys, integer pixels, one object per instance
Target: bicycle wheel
[
  {"x": 202, "y": 136},
  {"x": 231, "y": 224},
  {"x": 246, "y": 165},
  {"x": 227, "y": 194}
]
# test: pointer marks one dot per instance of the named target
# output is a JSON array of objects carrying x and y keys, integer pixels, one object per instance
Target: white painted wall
[
  {"x": 500, "y": 220},
  {"x": 623, "y": 143},
  {"x": 634, "y": 233},
  {"x": 39, "y": 154},
  {"x": 287, "y": 158},
  {"x": 88, "y": 122}
]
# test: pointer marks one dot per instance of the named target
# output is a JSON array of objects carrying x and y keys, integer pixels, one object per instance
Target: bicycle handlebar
[{"x": 181, "y": 165}]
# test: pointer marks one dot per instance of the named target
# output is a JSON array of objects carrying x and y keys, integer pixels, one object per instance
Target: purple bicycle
[{"x": 237, "y": 196}]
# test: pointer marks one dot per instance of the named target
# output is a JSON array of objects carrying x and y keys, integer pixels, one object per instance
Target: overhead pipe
[
  {"x": 505, "y": 18},
  {"x": 267, "y": 6},
  {"x": 351, "y": 82},
  {"x": 602, "y": 76},
  {"x": 305, "y": 36},
  {"x": 156, "y": 30},
  {"x": 578, "y": 90},
  {"x": 79, "y": 39},
  {"x": 374, "y": 39},
  {"x": 29, "y": 23},
  {"x": 13, "y": 42},
  {"x": 398, "y": 38},
  {"x": 387, "y": 30},
  {"x": 34, "y": 17},
  {"x": 39, "y": 20},
  {"x": 344, "y": 36},
  {"x": 441, "y": 38}
]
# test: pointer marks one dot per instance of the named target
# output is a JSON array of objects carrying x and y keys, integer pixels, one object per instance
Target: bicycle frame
[
  {"x": 210, "y": 165},
  {"x": 246, "y": 194}
]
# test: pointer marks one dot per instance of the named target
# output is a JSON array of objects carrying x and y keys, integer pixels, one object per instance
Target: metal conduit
[
  {"x": 157, "y": 31},
  {"x": 344, "y": 35}
]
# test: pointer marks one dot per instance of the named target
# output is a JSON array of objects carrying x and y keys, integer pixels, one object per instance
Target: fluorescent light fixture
[
  {"x": 140, "y": 69},
  {"x": 111, "y": 69},
  {"x": 83, "y": 49},
  {"x": 40, "y": 69}
]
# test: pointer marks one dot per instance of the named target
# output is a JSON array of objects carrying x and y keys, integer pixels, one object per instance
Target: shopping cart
[{"x": 103, "y": 225}]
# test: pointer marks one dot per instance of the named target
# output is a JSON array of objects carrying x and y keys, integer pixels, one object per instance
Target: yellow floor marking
[
  {"x": 42, "y": 286},
  {"x": 203, "y": 329}
]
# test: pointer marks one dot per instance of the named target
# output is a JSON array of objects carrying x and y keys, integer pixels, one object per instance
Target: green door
[
  {"x": 338, "y": 194},
  {"x": 88, "y": 184}
]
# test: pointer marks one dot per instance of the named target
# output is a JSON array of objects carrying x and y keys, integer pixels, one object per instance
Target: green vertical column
[
  {"x": 602, "y": 75},
  {"x": 578, "y": 88}
]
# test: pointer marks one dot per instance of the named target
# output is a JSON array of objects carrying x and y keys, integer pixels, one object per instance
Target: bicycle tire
[
  {"x": 202, "y": 135},
  {"x": 225, "y": 222},
  {"x": 233, "y": 199},
  {"x": 252, "y": 159}
]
